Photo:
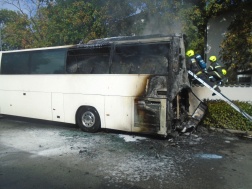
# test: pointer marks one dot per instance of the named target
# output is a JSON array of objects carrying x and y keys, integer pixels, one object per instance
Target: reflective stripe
[
  {"x": 217, "y": 74},
  {"x": 199, "y": 73},
  {"x": 211, "y": 67},
  {"x": 193, "y": 60},
  {"x": 217, "y": 67}
]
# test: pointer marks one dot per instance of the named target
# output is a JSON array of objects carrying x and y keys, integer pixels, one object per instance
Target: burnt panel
[
  {"x": 157, "y": 85},
  {"x": 196, "y": 117},
  {"x": 147, "y": 115},
  {"x": 163, "y": 93}
]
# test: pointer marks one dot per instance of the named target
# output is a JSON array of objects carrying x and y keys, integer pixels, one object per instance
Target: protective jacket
[
  {"x": 215, "y": 70},
  {"x": 194, "y": 66}
]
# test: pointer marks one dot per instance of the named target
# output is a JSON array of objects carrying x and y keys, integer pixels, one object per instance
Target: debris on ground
[{"x": 245, "y": 134}]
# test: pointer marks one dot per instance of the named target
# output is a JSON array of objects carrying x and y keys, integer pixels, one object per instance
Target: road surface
[{"x": 43, "y": 154}]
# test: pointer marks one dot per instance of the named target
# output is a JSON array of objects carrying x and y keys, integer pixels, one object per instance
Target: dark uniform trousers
[{"x": 215, "y": 72}]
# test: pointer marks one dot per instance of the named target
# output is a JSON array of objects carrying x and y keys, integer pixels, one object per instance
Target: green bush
[{"x": 222, "y": 115}]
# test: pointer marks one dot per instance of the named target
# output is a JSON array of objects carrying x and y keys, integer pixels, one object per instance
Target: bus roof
[
  {"x": 37, "y": 49},
  {"x": 129, "y": 40},
  {"x": 158, "y": 37},
  {"x": 98, "y": 43}
]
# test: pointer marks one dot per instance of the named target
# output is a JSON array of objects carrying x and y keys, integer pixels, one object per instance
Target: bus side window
[
  {"x": 47, "y": 61},
  {"x": 88, "y": 61},
  {"x": 71, "y": 65},
  {"x": 94, "y": 65},
  {"x": 140, "y": 59},
  {"x": 120, "y": 65},
  {"x": 15, "y": 63}
]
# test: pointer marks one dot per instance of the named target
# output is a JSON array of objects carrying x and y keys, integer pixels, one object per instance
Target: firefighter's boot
[{"x": 224, "y": 80}]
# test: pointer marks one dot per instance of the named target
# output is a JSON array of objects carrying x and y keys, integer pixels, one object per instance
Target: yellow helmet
[
  {"x": 212, "y": 58},
  {"x": 224, "y": 72},
  {"x": 190, "y": 53}
]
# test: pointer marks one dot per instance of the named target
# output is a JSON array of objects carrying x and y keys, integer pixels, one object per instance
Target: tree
[
  {"x": 58, "y": 23},
  {"x": 75, "y": 22},
  {"x": 62, "y": 22},
  {"x": 15, "y": 32},
  {"x": 237, "y": 45},
  {"x": 171, "y": 16},
  {"x": 54, "y": 25},
  {"x": 236, "y": 48},
  {"x": 117, "y": 14}
]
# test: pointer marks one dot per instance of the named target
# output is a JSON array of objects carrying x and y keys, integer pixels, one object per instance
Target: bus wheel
[{"x": 88, "y": 119}]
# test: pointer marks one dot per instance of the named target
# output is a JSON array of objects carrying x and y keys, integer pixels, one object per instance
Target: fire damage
[{"x": 162, "y": 105}]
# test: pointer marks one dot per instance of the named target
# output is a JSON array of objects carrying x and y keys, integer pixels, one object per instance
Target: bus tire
[{"x": 88, "y": 119}]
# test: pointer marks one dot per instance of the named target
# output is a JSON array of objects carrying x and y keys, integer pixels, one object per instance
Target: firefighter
[
  {"x": 194, "y": 66},
  {"x": 215, "y": 71}
]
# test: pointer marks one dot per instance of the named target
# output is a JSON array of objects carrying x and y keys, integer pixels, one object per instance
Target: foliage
[
  {"x": 77, "y": 21},
  {"x": 62, "y": 22},
  {"x": 53, "y": 26},
  {"x": 15, "y": 34},
  {"x": 50, "y": 24},
  {"x": 119, "y": 20},
  {"x": 236, "y": 47},
  {"x": 172, "y": 16},
  {"x": 222, "y": 115},
  {"x": 194, "y": 26},
  {"x": 7, "y": 16}
]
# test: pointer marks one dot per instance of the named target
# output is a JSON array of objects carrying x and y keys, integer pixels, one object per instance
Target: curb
[{"x": 245, "y": 134}]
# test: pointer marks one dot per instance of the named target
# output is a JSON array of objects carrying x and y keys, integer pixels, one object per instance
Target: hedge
[{"x": 222, "y": 115}]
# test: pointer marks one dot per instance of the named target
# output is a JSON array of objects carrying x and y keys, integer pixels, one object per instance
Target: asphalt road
[{"x": 43, "y": 154}]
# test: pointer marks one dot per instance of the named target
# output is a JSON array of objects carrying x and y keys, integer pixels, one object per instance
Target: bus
[{"x": 130, "y": 83}]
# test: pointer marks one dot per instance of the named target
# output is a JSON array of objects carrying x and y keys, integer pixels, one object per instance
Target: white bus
[{"x": 135, "y": 84}]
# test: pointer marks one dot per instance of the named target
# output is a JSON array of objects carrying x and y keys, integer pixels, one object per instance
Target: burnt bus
[
  {"x": 135, "y": 84},
  {"x": 161, "y": 104}
]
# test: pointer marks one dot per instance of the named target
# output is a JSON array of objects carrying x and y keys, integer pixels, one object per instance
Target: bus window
[
  {"x": 94, "y": 64},
  {"x": 88, "y": 61},
  {"x": 140, "y": 59},
  {"x": 48, "y": 62},
  {"x": 15, "y": 63}
]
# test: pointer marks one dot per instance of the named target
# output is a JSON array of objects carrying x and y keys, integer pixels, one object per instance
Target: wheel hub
[{"x": 88, "y": 119}]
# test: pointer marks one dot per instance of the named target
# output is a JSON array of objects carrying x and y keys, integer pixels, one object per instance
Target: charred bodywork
[{"x": 162, "y": 102}]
